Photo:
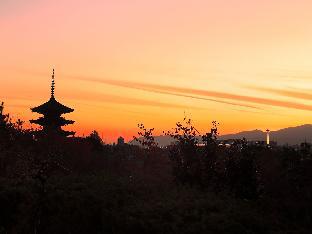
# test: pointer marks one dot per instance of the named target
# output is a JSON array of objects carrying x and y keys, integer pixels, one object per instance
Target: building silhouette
[
  {"x": 52, "y": 121},
  {"x": 120, "y": 141}
]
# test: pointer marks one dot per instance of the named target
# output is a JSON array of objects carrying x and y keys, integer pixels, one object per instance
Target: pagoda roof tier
[
  {"x": 59, "y": 121},
  {"x": 68, "y": 133},
  {"x": 58, "y": 132},
  {"x": 52, "y": 106}
]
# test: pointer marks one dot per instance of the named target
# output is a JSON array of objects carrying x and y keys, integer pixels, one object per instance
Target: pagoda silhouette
[{"x": 52, "y": 121}]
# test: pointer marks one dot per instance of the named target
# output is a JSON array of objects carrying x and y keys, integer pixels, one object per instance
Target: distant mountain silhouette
[
  {"x": 160, "y": 140},
  {"x": 294, "y": 135},
  {"x": 254, "y": 135},
  {"x": 291, "y": 136}
]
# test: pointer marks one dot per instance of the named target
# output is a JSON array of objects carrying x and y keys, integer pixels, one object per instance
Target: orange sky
[{"x": 245, "y": 63}]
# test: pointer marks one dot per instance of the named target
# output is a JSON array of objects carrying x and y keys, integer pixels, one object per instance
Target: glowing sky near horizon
[{"x": 245, "y": 63}]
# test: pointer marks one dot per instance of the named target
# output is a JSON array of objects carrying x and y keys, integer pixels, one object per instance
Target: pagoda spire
[
  {"x": 52, "y": 120},
  {"x": 52, "y": 85}
]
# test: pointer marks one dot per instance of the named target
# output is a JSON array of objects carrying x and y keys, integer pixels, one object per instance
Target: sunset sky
[{"x": 245, "y": 63}]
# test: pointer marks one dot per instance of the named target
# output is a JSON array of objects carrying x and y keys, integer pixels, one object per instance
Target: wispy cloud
[
  {"x": 199, "y": 94},
  {"x": 106, "y": 98},
  {"x": 159, "y": 89},
  {"x": 202, "y": 98},
  {"x": 140, "y": 102},
  {"x": 98, "y": 97},
  {"x": 284, "y": 92},
  {"x": 290, "y": 75}
]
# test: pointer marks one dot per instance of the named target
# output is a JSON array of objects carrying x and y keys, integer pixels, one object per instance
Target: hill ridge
[{"x": 290, "y": 135}]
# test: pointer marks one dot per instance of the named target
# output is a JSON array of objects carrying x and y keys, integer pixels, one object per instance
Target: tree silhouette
[{"x": 146, "y": 138}]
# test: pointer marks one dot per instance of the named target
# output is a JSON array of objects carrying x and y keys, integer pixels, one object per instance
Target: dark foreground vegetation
[{"x": 80, "y": 185}]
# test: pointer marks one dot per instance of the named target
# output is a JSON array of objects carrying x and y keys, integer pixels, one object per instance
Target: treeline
[{"x": 81, "y": 185}]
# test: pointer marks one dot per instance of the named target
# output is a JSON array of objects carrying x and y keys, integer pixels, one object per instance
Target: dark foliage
[
  {"x": 81, "y": 185},
  {"x": 145, "y": 138}
]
